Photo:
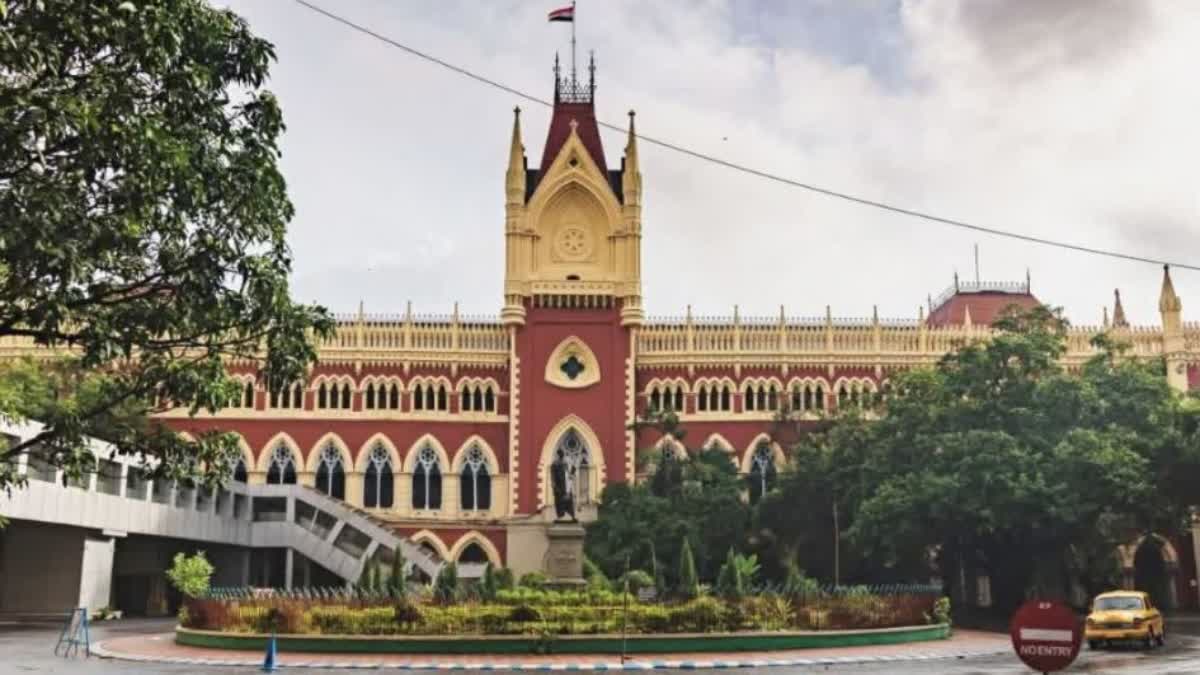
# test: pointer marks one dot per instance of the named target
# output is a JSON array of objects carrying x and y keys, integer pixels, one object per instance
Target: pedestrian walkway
[{"x": 161, "y": 648}]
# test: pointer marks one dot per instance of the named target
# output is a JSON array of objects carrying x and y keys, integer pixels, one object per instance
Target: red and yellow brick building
[{"x": 447, "y": 427}]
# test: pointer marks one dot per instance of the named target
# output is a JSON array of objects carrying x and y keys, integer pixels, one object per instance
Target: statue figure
[{"x": 564, "y": 497}]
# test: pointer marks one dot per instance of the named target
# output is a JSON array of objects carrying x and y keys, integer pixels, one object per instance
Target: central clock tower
[{"x": 572, "y": 301}]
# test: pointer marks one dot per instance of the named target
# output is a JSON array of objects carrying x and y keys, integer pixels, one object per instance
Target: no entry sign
[{"x": 1046, "y": 635}]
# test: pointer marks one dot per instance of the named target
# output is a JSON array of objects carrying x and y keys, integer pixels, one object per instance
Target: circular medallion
[{"x": 573, "y": 243}]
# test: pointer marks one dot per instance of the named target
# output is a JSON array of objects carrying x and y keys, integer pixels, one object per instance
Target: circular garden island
[{"x": 497, "y": 616}]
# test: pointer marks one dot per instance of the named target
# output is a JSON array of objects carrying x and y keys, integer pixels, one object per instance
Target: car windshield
[{"x": 1118, "y": 602}]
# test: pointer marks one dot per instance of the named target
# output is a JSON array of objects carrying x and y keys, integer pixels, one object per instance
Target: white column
[{"x": 288, "y": 568}]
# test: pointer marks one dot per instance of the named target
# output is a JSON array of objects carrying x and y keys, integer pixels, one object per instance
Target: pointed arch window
[
  {"x": 239, "y": 471},
  {"x": 419, "y": 397},
  {"x": 489, "y": 400},
  {"x": 762, "y": 472},
  {"x": 323, "y": 396},
  {"x": 346, "y": 397},
  {"x": 282, "y": 470},
  {"x": 427, "y": 481},
  {"x": 331, "y": 475},
  {"x": 379, "y": 483},
  {"x": 248, "y": 395},
  {"x": 473, "y": 553},
  {"x": 726, "y": 398},
  {"x": 571, "y": 455},
  {"x": 369, "y": 398},
  {"x": 393, "y": 397},
  {"x": 475, "y": 484}
]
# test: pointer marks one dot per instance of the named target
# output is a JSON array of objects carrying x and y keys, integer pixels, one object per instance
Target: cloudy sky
[{"x": 1073, "y": 120}]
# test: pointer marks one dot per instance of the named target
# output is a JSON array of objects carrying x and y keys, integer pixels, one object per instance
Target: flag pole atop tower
[{"x": 568, "y": 14}]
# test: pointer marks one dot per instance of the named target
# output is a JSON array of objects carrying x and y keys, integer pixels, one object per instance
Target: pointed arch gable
[
  {"x": 776, "y": 452},
  {"x": 460, "y": 455},
  {"x": 430, "y": 537},
  {"x": 410, "y": 457},
  {"x": 281, "y": 438},
  {"x": 674, "y": 445},
  {"x": 314, "y": 453},
  {"x": 595, "y": 455},
  {"x": 475, "y": 537},
  {"x": 364, "y": 452}
]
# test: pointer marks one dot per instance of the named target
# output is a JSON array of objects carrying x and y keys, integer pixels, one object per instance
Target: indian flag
[{"x": 563, "y": 14}]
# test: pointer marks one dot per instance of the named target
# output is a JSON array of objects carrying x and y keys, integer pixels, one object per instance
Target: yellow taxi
[{"x": 1121, "y": 616}]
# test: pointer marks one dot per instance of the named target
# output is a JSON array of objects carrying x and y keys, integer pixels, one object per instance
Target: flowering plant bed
[{"x": 541, "y": 613}]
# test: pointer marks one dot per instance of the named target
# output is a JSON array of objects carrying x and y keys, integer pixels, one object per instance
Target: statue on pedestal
[{"x": 564, "y": 498}]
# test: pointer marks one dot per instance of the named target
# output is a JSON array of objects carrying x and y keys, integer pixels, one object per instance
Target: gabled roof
[{"x": 560, "y": 129}]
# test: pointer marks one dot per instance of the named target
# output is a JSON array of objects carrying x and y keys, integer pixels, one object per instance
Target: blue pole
[{"x": 269, "y": 662}]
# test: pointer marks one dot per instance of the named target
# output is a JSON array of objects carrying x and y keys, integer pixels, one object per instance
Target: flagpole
[{"x": 573, "y": 79}]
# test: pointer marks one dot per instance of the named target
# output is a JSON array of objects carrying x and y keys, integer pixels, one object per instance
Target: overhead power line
[{"x": 837, "y": 194}]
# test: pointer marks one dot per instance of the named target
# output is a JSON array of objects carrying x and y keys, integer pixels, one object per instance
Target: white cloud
[{"x": 1067, "y": 120}]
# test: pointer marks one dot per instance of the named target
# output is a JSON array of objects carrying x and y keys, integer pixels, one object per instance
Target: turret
[
  {"x": 513, "y": 313},
  {"x": 1118, "y": 315},
  {"x": 1170, "y": 307}
]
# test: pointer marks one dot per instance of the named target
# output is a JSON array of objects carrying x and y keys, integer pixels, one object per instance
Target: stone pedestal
[{"x": 564, "y": 556}]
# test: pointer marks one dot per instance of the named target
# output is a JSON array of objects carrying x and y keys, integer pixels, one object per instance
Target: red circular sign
[{"x": 1046, "y": 635}]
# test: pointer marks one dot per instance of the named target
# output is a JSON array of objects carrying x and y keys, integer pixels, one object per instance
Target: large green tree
[
  {"x": 142, "y": 222},
  {"x": 698, "y": 499},
  {"x": 1001, "y": 460}
]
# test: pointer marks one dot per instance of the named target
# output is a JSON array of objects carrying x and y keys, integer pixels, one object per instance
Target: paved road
[{"x": 28, "y": 649}]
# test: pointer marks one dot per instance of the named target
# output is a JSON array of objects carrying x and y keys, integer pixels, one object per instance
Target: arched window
[
  {"x": 571, "y": 454},
  {"x": 465, "y": 402},
  {"x": 369, "y": 398},
  {"x": 442, "y": 400},
  {"x": 726, "y": 398},
  {"x": 702, "y": 399},
  {"x": 331, "y": 477},
  {"x": 489, "y": 400},
  {"x": 282, "y": 470},
  {"x": 473, "y": 553},
  {"x": 475, "y": 484},
  {"x": 748, "y": 398},
  {"x": 429, "y": 398},
  {"x": 677, "y": 406},
  {"x": 427, "y": 480},
  {"x": 248, "y": 395},
  {"x": 379, "y": 487},
  {"x": 419, "y": 397},
  {"x": 239, "y": 471},
  {"x": 297, "y": 396},
  {"x": 323, "y": 396},
  {"x": 762, "y": 472},
  {"x": 655, "y": 403},
  {"x": 346, "y": 397},
  {"x": 477, "y": 399},
  {"x": 394, "y": 397}
]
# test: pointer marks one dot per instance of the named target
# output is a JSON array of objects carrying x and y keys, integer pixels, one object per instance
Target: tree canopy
[
  {"x": 143, "y": 229},
  {"x": 698, "y": 499},
  {"x": 999, "y": 459}
]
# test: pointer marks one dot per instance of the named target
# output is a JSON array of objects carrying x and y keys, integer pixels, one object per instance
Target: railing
[{"x": 677, "y": 340}]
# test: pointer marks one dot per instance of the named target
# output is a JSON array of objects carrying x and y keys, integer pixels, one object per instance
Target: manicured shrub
[
  {"x": 689, "y": 585},
  {"x": 445, "y": 587},
  {"x": 524, "y": 613},
  {"x": 397, "y": 585},
  {"x": 534, "y": 580},
  {"x": 729, "y": 581},
  {"x": 504, "y": 579}
]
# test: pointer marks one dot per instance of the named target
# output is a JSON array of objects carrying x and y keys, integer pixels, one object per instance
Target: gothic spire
[
  {"x": 1168, "y": 301},
  {"x": 1118, "y": 315}
]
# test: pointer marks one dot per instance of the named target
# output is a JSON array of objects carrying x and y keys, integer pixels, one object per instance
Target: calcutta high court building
[{"x": 447, "y": 430}]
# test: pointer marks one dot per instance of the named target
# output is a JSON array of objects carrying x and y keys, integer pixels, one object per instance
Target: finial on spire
[
  {"x": 955, "y": 281},
  {"x": 1104, "y": 319},
  {"x": 1118, "y": 315}
]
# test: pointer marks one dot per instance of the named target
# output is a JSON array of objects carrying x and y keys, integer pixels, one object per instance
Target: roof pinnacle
[
  {"x": 1168, "y": 300},
  {"x": 1118, "y": 315}
]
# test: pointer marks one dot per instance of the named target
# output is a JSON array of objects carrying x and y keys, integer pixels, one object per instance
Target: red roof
[
  {"x": 986, "y": 307},
  {"x": 560, "y": 131}
]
